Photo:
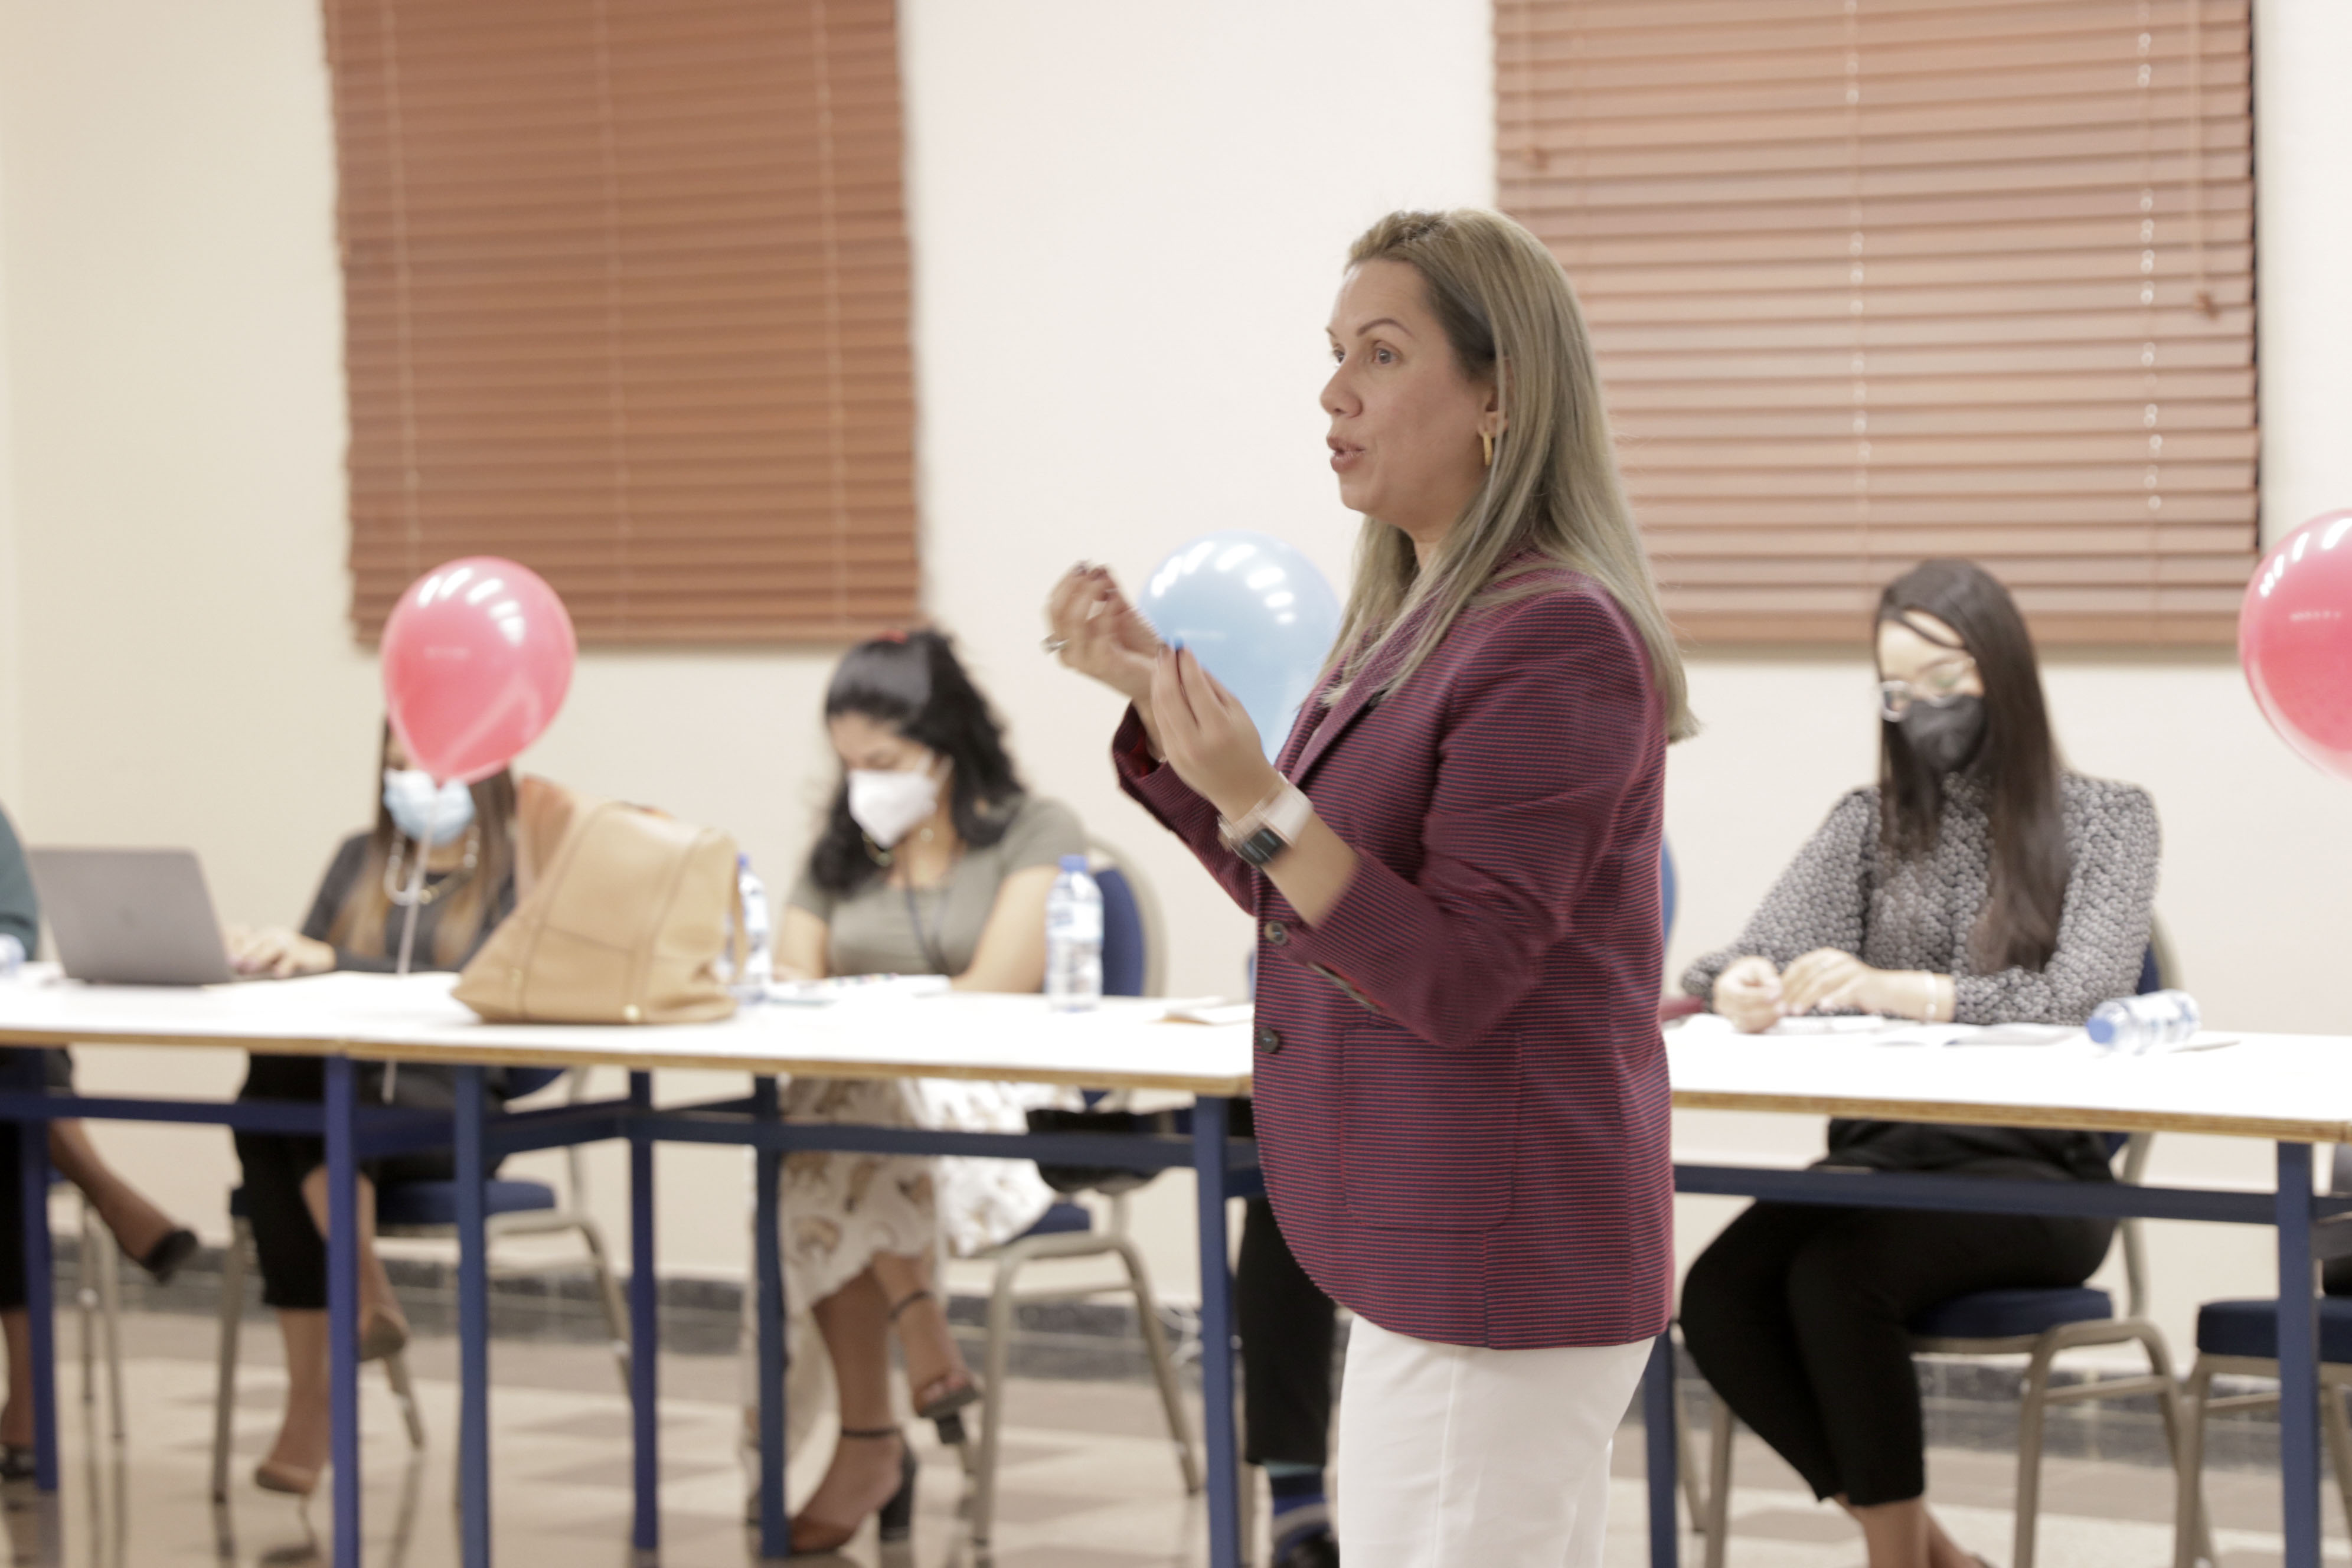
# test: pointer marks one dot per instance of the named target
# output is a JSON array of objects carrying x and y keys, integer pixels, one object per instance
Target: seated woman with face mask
[
  {"x": 1978, "y": 882},
  {"x": 932, "y": 861},
  {"x": 476, "y": 856}
]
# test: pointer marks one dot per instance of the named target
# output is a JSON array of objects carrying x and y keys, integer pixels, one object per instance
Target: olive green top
[{"x": 875, "y": 929}]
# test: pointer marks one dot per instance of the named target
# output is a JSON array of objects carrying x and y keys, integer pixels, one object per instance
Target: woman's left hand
[
  {"x": 1830, "y": 977},
  {"x": 1207, "y": 735}
]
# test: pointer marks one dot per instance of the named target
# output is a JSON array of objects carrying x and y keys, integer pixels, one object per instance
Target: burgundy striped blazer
[{"x": 1461, "y": 1099}]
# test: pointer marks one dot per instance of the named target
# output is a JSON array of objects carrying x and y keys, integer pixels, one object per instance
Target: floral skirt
[{"x": 839, "y": 1209}]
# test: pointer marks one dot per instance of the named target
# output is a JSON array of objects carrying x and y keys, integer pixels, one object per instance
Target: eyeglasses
[{"x": 1939, "y": 687}]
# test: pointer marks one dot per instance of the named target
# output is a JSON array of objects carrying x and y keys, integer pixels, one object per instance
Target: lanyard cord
[{"x": 931, "y": 953}]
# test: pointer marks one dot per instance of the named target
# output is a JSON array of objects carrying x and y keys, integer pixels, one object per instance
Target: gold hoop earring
[{"x": 1486, "y": 440}]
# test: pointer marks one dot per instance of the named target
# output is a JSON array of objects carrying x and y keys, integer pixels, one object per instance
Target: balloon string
[{"x": 414, "y": 899}]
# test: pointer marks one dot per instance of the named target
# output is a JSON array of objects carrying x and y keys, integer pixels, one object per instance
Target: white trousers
[{"x": 1455, "y": 1457}]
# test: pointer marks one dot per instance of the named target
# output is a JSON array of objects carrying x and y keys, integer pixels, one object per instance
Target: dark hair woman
[
  {"x": 1978, "y": 882},
  {"x": 475, "y": 855},
  {"x": 1461, "y": 1094},
  {"x": 932, "y": 859}
]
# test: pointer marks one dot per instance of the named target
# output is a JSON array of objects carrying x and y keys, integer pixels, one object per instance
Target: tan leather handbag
[{"x": 623, "y": 922}]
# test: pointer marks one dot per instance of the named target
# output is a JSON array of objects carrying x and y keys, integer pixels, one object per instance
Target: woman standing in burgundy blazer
[{"x": 1461, "y": 1088}]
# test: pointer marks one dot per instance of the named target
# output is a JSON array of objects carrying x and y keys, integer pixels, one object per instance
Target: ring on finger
[{"x": 1055, "y": 645}]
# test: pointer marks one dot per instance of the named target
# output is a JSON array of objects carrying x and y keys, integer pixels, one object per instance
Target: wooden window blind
[
  {"x": 626, "y": 300},
  {"x": 1876, "y": 281}
]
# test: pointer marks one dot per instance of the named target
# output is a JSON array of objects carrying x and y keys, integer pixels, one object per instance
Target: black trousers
[
  {"x": 292, "y": 1253},
  {"x": 1796, "y": 1315},
  {"x": 20, "y": 1069},
  {"x": 1287, "y": 1327},
  {"x": 12, "y": 1218}
]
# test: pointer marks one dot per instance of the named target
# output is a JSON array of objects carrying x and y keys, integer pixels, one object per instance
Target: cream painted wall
[
  {"x": 2302, "y": 231},
  {"x": 173, "y": 316},
  {"x": 1126, "y": 226},
  {"x": 11, "y": 778}
]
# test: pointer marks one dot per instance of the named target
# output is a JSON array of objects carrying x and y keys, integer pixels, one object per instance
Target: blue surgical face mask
[{"x": 416, "y": 805}]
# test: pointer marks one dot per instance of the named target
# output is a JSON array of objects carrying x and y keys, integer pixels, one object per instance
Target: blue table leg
[
  {"x": 767, "y": 1249},
  {"x": 343, "y": 1305},
  {"x": 1658, "y": 1417},
  {"x": 645, "y": 1322},
  {"x": 473, "y": 1328},
  {"x": 2298, "y": 1361},
  {"x": 1209, "y": 1117},
  {"x": 41, "y": 1300}
]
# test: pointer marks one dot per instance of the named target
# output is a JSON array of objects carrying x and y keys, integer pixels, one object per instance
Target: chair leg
[
  {"x": 232, "y": 1310},
  {"x": 395, "y": 1373},
  {"x": 2031, "y": 1410},
  {"x": 2339, "y": 1442},
  {"x": 2188, "y": 1522},
  {"x": 1155, "y": 1344},
  {"x": 1687, "y": 1464},
  {"x": 1719, "y": 1484},
  {"x": 1245, "y": 1508},
  {"x": 608, "y": 1296},
  {"x": 108, "y": 1262},
  {"x": 998, "y": 1355},
  {"x": 2172, "y": 1408},
  {"x": 86, "y": 1303}
]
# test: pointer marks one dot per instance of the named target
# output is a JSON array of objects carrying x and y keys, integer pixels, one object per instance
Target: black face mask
[{"x": 1947, "y": 738}]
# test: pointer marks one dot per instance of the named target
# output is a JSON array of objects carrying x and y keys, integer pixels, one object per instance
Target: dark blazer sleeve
[
  {"x": 1156, "y": 788},
  {"x": 1548, "y": 728}
]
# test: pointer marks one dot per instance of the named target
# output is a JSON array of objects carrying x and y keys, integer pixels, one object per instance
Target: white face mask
[
  {"x": 416, "y": 806},
  {"x": 891, "y": 805}
]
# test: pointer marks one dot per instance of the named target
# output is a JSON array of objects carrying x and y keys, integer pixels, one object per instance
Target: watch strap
[{"x": 1270, "y": 826}]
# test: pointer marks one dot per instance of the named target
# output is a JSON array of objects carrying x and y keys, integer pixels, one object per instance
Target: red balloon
[
  {"x": 2294, "y": 637},
  {"x": 477, "y": 658}
]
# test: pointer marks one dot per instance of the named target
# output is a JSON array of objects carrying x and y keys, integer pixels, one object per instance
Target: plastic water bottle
[
  {"x": 1073, "y": 933},
  {"x": 12, "y": 955},
  {"x": 2134, "y": 1025},
  {"x": 759, "y": 942}
]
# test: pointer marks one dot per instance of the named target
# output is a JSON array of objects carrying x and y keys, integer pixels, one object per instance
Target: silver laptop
[{"x": 130, "y": 916}]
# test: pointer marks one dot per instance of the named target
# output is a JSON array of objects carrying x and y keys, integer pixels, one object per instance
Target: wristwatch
[{"x": 1270, "y": 826}]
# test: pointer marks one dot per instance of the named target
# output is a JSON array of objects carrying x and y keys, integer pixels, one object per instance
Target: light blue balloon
[{"x": 1257, "y": 614}]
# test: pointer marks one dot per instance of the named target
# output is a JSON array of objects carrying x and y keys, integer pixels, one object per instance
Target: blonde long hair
[{"x": 1553, "y": 488}]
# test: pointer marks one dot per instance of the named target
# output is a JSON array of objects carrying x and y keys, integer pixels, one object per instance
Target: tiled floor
[{"x": 1088, "y": 1482}]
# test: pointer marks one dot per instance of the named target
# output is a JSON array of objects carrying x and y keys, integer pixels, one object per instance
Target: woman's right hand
[
  {"x": 1101, "y": 634},
  {"x": 1747, "y": 993},
  {"x": 277, "y": 952}
]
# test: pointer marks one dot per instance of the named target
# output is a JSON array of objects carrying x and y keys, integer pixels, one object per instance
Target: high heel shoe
[
  {"x": 938, "y": 1400},
  {"x": 895, "y": 1518},
  {"x": 163, "y": 1259},
  {"x": 292, "y": 1481},
  {"x": 385, "y": 1335}
]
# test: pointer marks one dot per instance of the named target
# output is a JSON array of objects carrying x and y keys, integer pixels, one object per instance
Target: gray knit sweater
[{"x": 1844, "y": 891}]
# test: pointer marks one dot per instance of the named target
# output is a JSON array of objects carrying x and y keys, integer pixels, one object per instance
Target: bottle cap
[
  {"x": 2102, "y": 1030},
  {"x": 1074, "y": 862}
]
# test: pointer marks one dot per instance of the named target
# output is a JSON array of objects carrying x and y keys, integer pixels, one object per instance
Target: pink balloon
[
  {"x": 2294, "y": 637},
  {"x": 477, "y": 658}
]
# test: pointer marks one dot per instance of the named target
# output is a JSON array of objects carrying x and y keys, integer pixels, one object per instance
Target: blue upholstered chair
[
  {"x": 427, "y": 1210},
  {"x": 1669, "y": 886},
  {"x": 2240, "y": 1339},
  {"x": 1133, "y": 960},
  {"x": 2037, "y": 1323}
]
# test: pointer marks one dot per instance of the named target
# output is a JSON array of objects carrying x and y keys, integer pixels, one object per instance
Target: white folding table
[
  {"x": 348, "y": 1018},
  {"x": 2291, "y": 1090}
]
